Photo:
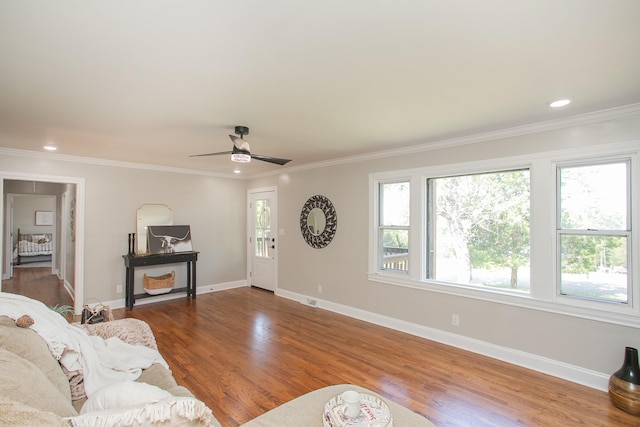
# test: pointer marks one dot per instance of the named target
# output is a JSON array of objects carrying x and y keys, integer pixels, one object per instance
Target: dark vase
[{"x": 624, "y": 384}]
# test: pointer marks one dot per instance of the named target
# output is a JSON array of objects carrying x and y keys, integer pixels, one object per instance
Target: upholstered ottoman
[{"x": 307, "y": 410}]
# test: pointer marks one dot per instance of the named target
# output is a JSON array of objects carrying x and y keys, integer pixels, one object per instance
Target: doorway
[
  {"x": 69, "y": 228},
  {"x": 262, "y": 248},
  {"x": 31, "y": 243}
]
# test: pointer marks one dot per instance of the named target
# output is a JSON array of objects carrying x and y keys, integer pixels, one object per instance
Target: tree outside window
[{"x": 479, "y": 231}]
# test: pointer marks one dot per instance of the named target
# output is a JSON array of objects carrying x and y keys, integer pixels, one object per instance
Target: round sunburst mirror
[{"x": 318, "y": 221}]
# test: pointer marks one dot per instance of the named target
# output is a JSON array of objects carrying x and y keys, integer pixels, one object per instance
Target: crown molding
[
  {"x": 112, "y": 163},
  {"x": 617, "y": 113}
]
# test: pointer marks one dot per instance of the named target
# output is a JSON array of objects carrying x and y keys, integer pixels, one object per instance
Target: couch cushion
[
  {"x": 24, "y": 382},
  {"x": 162, "y": 377},
  {"x": 17, "y": 414},
  {"x": 168, "y": 412},
  {"x": 122, "y": 394},
  {"x": 27, "y": 343}
]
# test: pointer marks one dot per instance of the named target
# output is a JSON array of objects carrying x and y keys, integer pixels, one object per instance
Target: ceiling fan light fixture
[{"x": 240, "y": 157}]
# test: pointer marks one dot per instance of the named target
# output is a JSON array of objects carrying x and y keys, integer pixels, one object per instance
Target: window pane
[
  {"x": 480, "y": 230},
  {"x": 263, "y": 227},
  {"x": 395, "y": 250},
  {"x": 594, "y": 197},
  {"x": 594, "y": 267},
  {"x": 394, "y": 203}
]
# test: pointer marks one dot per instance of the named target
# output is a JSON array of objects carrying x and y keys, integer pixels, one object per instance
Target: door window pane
[{"x": 263, "y": 228}]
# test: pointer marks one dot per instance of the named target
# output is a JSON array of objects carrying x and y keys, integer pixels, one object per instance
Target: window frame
[
  {"x": 381, "y": 227},
  {"x": 544, "y": 246},
  {"x": 592, "y": 301}
]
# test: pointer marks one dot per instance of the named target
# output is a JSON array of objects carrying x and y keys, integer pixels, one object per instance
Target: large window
[
  {"x": 478, "y": 230},
  {"x": 393, "y": 228},
  {"x": 594, "y": 231},
  {"x": 556, "y": 231}
]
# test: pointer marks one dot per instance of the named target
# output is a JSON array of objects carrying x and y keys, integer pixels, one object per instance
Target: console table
[{"x": 132, "y": 261}]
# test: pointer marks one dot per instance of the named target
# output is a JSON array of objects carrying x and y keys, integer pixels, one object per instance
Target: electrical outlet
[
  {"x": 319, "y": 289},
  {"x": 119, "y": 289},
  {"x": 455, "y": 320}
]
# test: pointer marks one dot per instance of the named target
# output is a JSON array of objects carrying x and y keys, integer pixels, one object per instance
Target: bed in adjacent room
[{"x": 36, "y": 247}]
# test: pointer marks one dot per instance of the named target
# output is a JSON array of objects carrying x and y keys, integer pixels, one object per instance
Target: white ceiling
[{"x": 154, "y": 81}]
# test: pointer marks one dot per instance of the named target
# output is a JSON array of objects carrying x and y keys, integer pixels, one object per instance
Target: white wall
[
  {"x": 214, "y": 208},
  {"x": 591, "y": 350}
]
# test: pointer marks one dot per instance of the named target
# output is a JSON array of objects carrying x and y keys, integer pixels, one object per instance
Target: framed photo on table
[{"x": 169, "y": 239}]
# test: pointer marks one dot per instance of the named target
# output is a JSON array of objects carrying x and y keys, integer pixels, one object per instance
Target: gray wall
[{"x": 24, "y": 210}]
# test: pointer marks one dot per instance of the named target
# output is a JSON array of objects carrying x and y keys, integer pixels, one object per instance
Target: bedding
[{"x": 33, "y": 245}]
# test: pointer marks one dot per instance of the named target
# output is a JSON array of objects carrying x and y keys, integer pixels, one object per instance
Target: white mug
[{"x": 351, "y": 400}]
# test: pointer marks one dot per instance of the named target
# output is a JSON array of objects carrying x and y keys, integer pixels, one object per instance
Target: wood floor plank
[
  {"x": 245, "y": 351},
  {"x": 38, "y": 283}
]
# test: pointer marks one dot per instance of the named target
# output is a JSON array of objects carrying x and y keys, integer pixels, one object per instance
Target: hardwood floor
[
  {"x": 245, "y": 351},
  {"x": 38, "y": 283}
]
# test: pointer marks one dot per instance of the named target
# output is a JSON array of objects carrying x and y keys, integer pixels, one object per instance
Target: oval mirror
[
  {"x": 318, "y": 221},
  {"x": 146, "y": 215}
]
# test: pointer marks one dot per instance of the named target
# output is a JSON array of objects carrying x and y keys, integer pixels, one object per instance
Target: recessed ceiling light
[
  {"x": 50, "y": 147},
  {"x": 559, "y": 103},
  {"x": 236, "y": 171}
]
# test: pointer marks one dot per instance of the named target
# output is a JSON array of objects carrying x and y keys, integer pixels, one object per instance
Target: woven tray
[
  {"x": 156, "y": 285},
  {"x": 373, "y": 413}
]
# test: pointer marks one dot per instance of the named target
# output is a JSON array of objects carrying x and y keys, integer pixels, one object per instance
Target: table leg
[
  {"x": 193, "y": 283},
  {"x": 188, "y": 279},
  {"x": 130, "y": 299}
]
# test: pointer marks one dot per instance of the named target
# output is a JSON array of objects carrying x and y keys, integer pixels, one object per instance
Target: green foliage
[
  {"x": 395, "y": 239},
  {"x": 583, "y": 254},
  {"x": 501, "y": 236},
  {"x": 486, "y": 219},
  {"x": 63, "y": 310}
]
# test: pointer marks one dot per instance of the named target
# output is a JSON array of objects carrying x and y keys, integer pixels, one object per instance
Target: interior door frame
[
  {"x": 250, "y": 219},
  {"x": 78, "y": 222}
]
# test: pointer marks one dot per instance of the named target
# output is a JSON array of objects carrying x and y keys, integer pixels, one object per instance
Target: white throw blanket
[{"x": 102, "y": 362}]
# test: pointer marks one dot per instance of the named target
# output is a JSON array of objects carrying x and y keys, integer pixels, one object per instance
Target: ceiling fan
[{"x": 241, "y": 152}]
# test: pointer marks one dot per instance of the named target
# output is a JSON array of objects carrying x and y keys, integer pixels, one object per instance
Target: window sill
[{"x": 623, "y": 316}]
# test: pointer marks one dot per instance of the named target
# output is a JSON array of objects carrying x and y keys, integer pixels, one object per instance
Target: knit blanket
[{"x": 102, "y": 362}]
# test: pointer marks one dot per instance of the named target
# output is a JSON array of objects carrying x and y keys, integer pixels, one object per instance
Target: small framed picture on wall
[{"x": 44, "y": 218}]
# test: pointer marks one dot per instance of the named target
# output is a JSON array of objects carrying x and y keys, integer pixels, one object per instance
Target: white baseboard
[
  {"x": 202, "y": 289},
  {"x": 576, "y": 374},
  {"x": 69, "y": 289}
]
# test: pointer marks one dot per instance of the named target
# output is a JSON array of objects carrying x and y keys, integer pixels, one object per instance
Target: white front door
[{"x": 263, "y": 227}]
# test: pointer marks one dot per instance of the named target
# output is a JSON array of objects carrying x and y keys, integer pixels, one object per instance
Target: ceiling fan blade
[
  {"x": 275, "y": 160},
  {"x": 211, "y": 154},
  {"x": 240, "y": 143},
  {"x": 241, "y": 146}
]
